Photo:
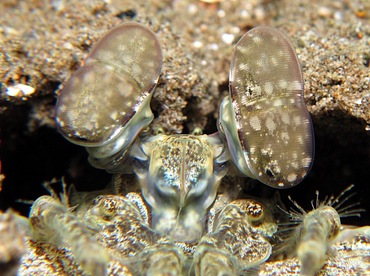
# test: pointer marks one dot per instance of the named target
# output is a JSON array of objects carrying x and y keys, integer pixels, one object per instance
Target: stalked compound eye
[
  {"x": 105, "y": 103},
  {"x": 265, "y": 120}
]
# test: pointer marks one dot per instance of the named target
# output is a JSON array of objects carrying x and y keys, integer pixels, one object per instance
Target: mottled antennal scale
[
  {"x": 266, "y": 122},
  {"x": 101, "y": 99}
]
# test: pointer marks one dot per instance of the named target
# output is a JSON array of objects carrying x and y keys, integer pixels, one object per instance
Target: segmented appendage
[
  {"x": 265, "y": 120},
  {"x": 121, "y": 226},
  {"x": 179, "y": 179},
  {"x": 105, "y": 103},
  {"x": 317, "y": 229},
  {"x": 164, "y": 258},
  {"x": 52, "y": 221},
  {"x": 234, "y": 244}
]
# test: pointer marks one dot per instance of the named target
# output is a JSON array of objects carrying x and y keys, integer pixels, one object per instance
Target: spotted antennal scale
[
  {"x": 265, "y": 120},
  {"x": 115, "y": 84}
]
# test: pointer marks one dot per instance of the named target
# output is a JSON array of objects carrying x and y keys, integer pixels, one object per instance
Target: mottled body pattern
[
  {"x": 179, "y": 179},
  {"x": 173, "y": 215},
  {"x": 108, "y": 230}
]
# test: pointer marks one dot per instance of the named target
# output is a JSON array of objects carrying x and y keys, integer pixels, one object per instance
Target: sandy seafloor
[{"x": 43, "y": 42}]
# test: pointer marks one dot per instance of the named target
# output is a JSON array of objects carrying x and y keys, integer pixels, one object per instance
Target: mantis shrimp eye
[
  {"x": 265, "y": 120},
  {"x": 106, "y": 101}
]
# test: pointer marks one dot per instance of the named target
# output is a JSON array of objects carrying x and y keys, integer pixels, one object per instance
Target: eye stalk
[
  {"x": 265, "y": 120},
  {"x": 105, "y": 103}
]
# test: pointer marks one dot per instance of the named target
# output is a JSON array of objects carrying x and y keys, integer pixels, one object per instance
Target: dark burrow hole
[
  {"x": 127, "y": 14},
  {"x": 192, "y": 112},
  {"x": 29, "y": 159},
  {"x": 342, "y": 158}
]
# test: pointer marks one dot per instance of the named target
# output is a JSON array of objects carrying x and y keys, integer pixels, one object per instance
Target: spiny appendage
[
  {"x": 53, "y": 222},
  {"x": 273, "y": 136},
  {"x": 235, "y": 236},
  {"x": 179, "y": 181},
  {"x": 317, "y": 229}
]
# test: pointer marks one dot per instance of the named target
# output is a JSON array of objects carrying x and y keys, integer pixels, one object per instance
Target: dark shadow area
[
  {"x": 193, "y": 112},
  {"x": 195, "y": 118},
  {"x": 342, "y": 157},
  {"x": 30, "y": 159}
]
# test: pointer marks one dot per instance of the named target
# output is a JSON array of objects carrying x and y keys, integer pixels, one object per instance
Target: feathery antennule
[
  {"x": 63, "y": 196},
  {"x": 310, "y": 240}
]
